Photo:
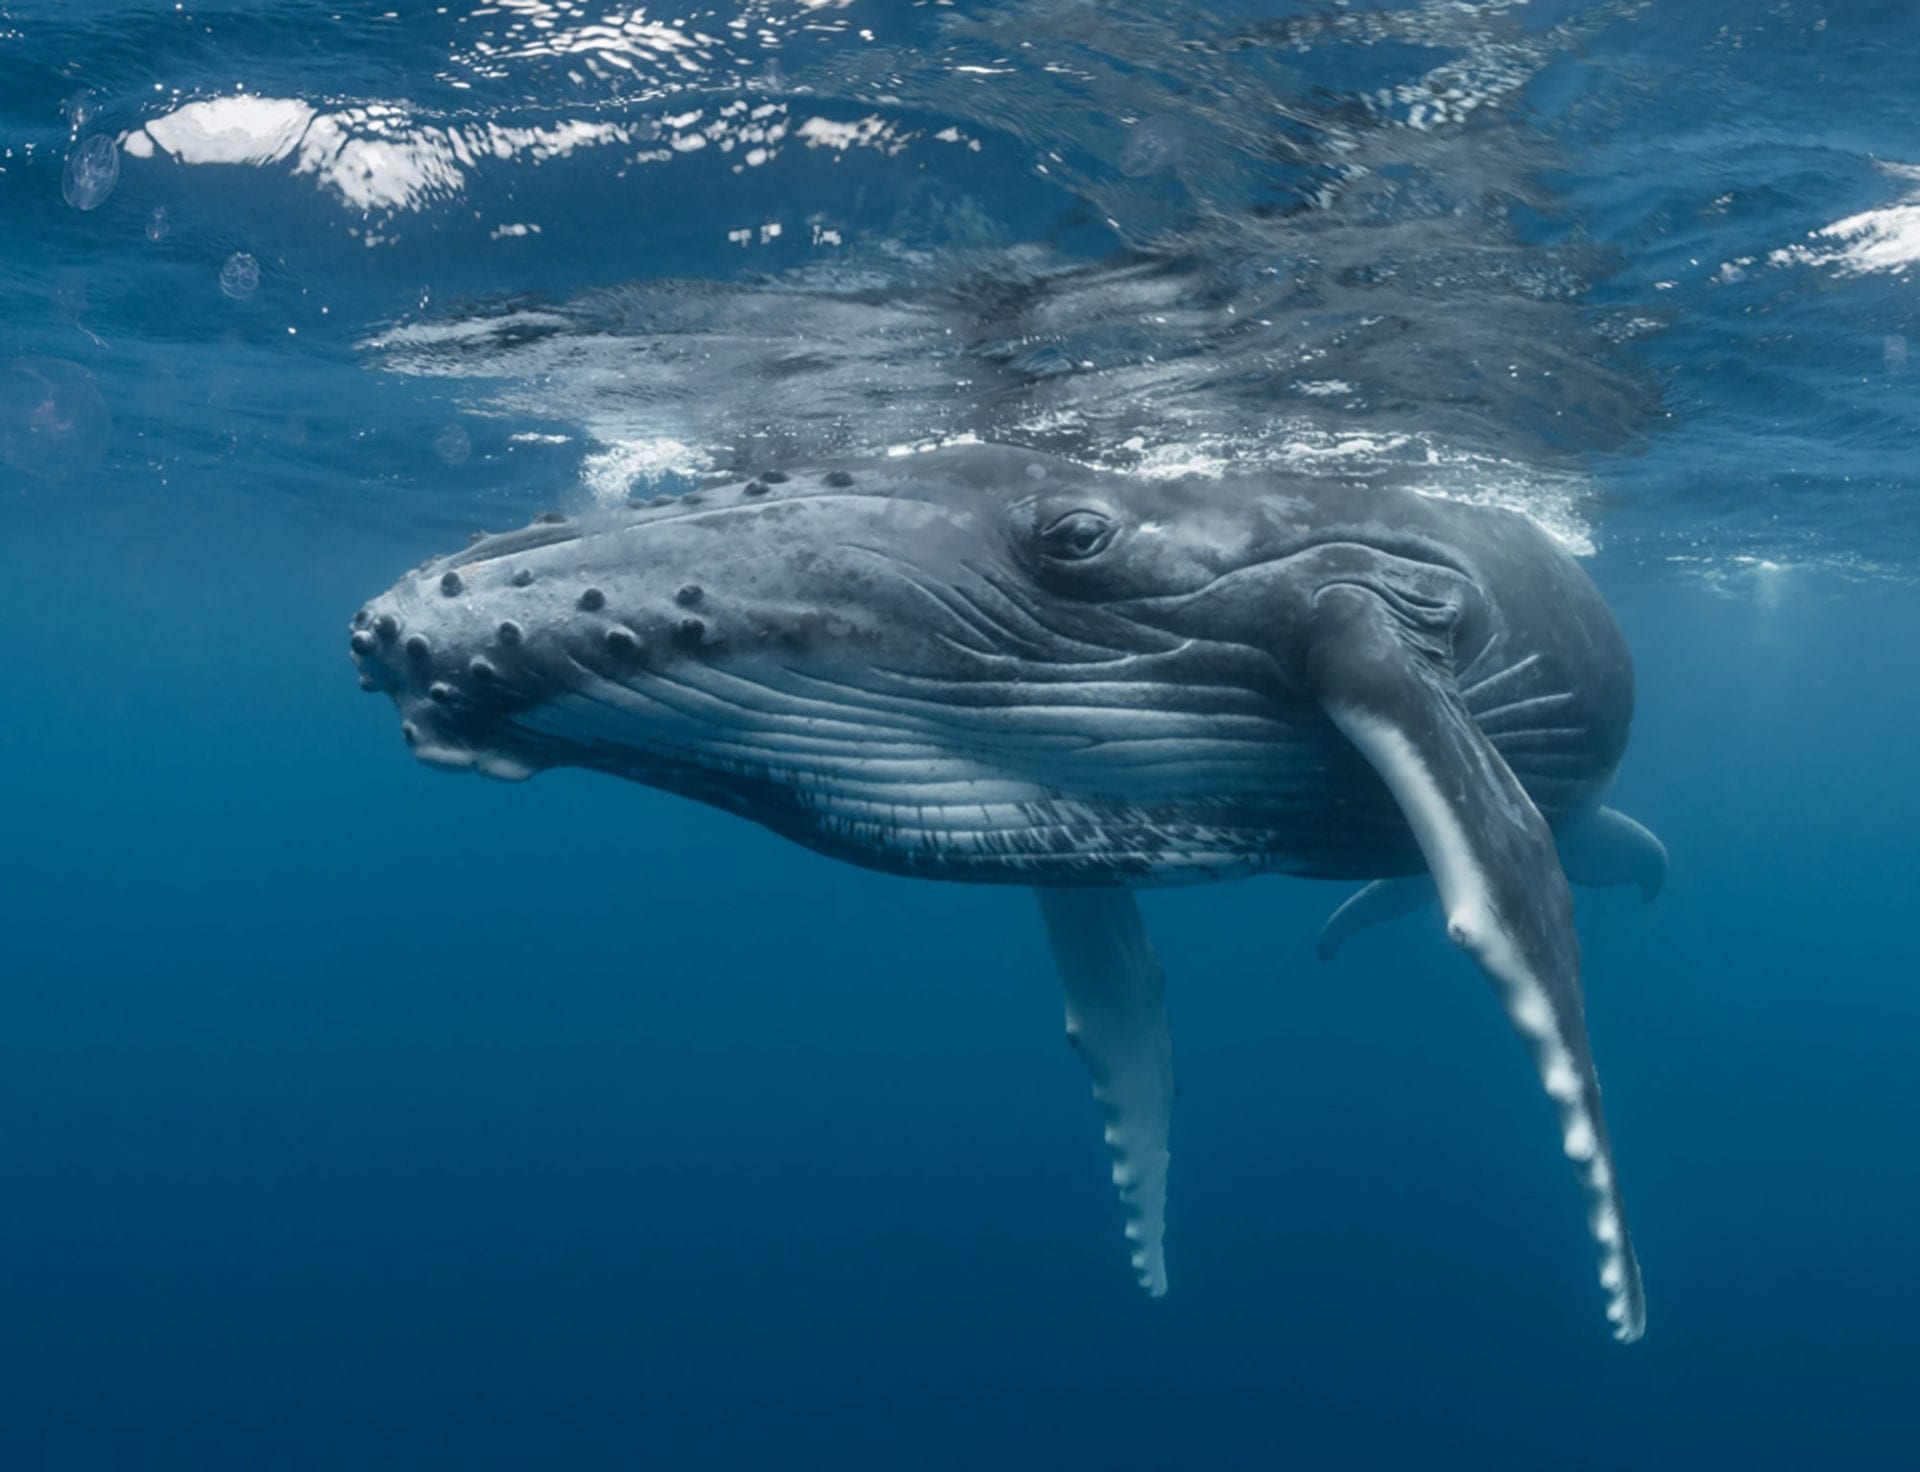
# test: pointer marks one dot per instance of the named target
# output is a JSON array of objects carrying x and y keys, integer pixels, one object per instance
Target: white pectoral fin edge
[
  {"x": 1117, "y": 1021},
  {"x": 1505, "y": 899}
]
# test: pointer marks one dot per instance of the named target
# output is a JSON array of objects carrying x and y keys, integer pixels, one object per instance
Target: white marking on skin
[
  {"x": 1562, "y": 1083},
  {"x": 1580, "y": 1142},
  {"x": 1532, "y": 1014}
]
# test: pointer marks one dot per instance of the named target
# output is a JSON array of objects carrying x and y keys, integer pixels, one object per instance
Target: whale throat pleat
[{"x": 1117, "y": 1021}]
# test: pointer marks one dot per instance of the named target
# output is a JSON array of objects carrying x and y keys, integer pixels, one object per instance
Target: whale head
[{"x": 977, "y": 663}]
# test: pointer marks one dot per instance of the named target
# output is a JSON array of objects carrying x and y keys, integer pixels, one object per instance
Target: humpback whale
[{"x": 985, "y": 664}]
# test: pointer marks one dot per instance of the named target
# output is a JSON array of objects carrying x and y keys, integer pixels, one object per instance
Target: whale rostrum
[{"x": 984, "y": 664}]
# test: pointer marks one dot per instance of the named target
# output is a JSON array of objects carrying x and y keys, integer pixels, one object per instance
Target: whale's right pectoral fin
[
  {"x": 1117, "y": 1021},
  {"x": 1389, "y": 687}
]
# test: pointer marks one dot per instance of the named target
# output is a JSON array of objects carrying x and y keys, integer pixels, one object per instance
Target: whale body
[{"x": 984, "y": 664}]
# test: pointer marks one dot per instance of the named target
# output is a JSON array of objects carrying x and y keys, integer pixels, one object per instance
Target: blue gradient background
[
  {"x": 357, "y": 1115},
  {"x": 354, "y": 1116}
]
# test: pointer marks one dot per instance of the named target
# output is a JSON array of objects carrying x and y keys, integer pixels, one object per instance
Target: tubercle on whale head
[
  {"x": 470, "y": 644},
  {"x": 876, "y": 635},
  {"x": 947, "y": 565}
]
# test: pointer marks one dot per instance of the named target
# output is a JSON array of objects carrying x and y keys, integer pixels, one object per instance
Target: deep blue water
[{"x": 355, "y": 1116}]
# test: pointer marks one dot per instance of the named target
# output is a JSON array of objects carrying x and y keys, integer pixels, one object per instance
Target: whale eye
[{"x": 1074, "y": 536}]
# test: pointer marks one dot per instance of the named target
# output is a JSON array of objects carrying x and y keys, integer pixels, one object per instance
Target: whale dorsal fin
[
  {"x": 1117, "y": 1021},
  {"x": 1390, "y": 689}
]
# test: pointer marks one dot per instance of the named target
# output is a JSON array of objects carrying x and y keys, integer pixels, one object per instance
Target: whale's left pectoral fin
[
  {"x": 1388, "y": 685},
  {"x": 1376, "y": 904},
  {"x": 1117, "y": 1020}
]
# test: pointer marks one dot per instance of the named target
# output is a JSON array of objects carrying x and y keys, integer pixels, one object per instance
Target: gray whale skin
[{"x": 981, "y": 663}]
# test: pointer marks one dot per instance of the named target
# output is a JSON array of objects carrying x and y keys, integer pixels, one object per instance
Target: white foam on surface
[
  {"x": 1886, "y": 239},
  {"x": 231, "y": 130},
  {"x": 614, "y": 473},
  {"x": 373, "y": 157},
  {"x": 1555, "y": 501}
]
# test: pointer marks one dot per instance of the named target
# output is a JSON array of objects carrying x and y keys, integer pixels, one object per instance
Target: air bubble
[
  {"x": 93, "y": 168},
  {"x": 70, "y": 295},
  {"x": 452, "y": 445},
  {"x": 79, "y": 109},
  {"x": 53, "y": 422},
  {"x": 240, "y": 276}
]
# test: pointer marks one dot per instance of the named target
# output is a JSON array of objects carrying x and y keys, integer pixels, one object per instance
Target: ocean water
[{"x": 352, "y": 1116}]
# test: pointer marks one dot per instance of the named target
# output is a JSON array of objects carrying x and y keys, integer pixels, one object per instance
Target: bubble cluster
[
  {"x": 240, "y": 276},
  {"x": 93, "y": 168},
  {"x": 53, "y": 422}
]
